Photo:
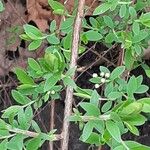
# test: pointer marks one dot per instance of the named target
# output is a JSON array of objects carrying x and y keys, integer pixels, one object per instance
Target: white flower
[
  {"x": 102, "y": 74},
  {"x": 97, "y": 86},
  {"x": 103, "y": 80},
  {"x": 95, "y": 75},
  {"x": 107, "y": 75},
  {"x": 52, "y": 92}
]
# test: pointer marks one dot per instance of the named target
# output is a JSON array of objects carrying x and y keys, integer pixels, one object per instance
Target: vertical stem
[
  {"x": 73, "y": 63},
  {"x": 52, "y": 113}
]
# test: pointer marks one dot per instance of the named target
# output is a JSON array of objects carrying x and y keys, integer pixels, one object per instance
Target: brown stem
[
  {"x": 52, "y": 121},
  {"x": 73, "y": 63}
]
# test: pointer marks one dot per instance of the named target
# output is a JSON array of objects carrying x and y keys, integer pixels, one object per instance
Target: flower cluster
[{"x": 103, "y": 76}]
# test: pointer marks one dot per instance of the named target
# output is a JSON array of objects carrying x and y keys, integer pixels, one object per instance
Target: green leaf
[
  {"x": 132, "y": 86},
  {"x": 34, "y": 64},
  {"x": 114, "y": 131},
  {"x": 87, "y": 131},
  {"x": 108, "y": 22},
  {"x": 71, "y": 71},
  {"x": 19, "y": 97},
  {"x": 82, "y": 95},
  {"x": 102, "y": 8},
  {"x": 104, "y": 69},
  {"x": 93, "y": 22},
  {"x": 34, "y": 143},
  {"x": 52, "y": 39},
  {"x": 146, "y": 104},
  {"x": 23, "y": 77},
  {"x": 117, "y": 72},
  {"x": 67, "y": 23},
  {"x": 136, "y": 28},
  {"x": 28, "y": 113},
  {"x": 95, "y": 98},
  {"x": 106, "y": 106},
  {"x": 132, "y": 12},
  {"x": 142, "y": 89},
  {"x": 114, "y": 95},
  {"x": 35, "y": 126},
  {"x": 90, "y": 109},
  {"x": 141, "y": 36},
  {"x": 34, "y": 45},
  {"x": 11, "y": 110},
  {"x": 129, "y": 59},
  {"x": 133, "y": 108},
  {"x": 138, "y": 49},
  {"x": 53, "y": 26},
  {"x": 16, "y": 143},
  {"x": 33, "y": 32},
  {"x": 94, "y": 138},
  {"x": 136, "y": 120},
  {"x": 69, "y": 82},
  {"x": 132, "y": 146},
  {"x": 132, "y": 128},
  {"x": 92, "y": 35},
  {"x": 1, "y": 6},
  {"x": 51, "y": 81},
  {"x": 145, "y": 19},
  {"x": 3, "y": 144},
  {"x": 122, "y": 11},
  {"x": 56, "y": 5}
]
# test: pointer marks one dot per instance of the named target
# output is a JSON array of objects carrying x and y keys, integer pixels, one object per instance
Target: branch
[{"x": 73, "y": 63}]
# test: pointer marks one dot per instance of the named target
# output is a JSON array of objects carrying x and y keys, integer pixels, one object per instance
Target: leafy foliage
[{"x": 113, "y": 21}]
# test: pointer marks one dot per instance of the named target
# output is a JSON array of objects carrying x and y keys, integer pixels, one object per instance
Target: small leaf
[
  {"x": 33, "y": 32},
  {"x": 133, "y": 108},
  {"x": 34, "y": 64},
  {"x": 34, "y": 143},
  {"x": 87, "y": 131},
  {"x": 95, "y": 98},
  {"x": 145, "y": 19},
  {"x": 136, "y": 28},
  {"x": 106, "y": 106},
  {"x": 52, "y": 39},
  {"x": 55, "y": 5},
  {"x": 92, "y": 35},
  {"x": 51, "y": 81},
  {"x": 1, "y": 6},
  {"x": 122, "y": 11},
  {"x": 117, "y": 72},
  {"x": 114, "y": 95},
  {"x": 90, "y": 109},
  {"x": 108, "y": 22},
  {"x": 142, "y": 89},
  {"x": 102, "y": 8},
  {"x": 141, "y": 36},
  {"x": 69, "y": 82},
  {"x": 11, "y": 110},
  {"x": 53, "y": 26},
  {"x": 34, "y": 45},
  {"x": 132, "y": 86},
  {"x": 23, "y": 77},
  {"x": 114, "y": 131},
  {"x": 19, "y": 97}
]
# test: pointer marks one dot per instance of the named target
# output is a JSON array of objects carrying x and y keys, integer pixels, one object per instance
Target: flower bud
[
  {"x": 103, "y": 80},
  {"x": 97, "y": 86},
  {"x": 95, "y": 75},
  {"x": 102, "y": 74},
  {"x": 107, "y": 75},
  {"x": 52, "y": 92}
]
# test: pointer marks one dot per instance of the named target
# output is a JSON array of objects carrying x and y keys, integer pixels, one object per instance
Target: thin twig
[
  {"x": 73, "y": 63},
  {"x": 52, "y": 114}
]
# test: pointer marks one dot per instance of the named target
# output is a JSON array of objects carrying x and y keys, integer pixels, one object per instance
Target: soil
[{"x": 14, "y": 53}]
